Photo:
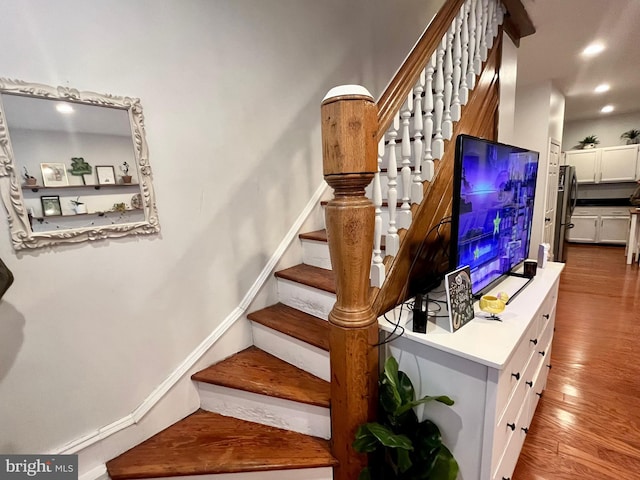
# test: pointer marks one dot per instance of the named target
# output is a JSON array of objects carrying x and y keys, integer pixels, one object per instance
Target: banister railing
[{"x": 418, "y": 110}]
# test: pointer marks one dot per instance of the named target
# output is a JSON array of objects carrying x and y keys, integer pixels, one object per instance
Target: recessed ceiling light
[
  {"x": 64, "y": 108},
  {"x": 593, "y": 49},
  {"x": 603, "y": 87},
  {"x": 607, "y": 109}
]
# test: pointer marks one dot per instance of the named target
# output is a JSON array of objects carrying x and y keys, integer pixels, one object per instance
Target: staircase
[
  {"x": 284, "y": 408},
  {"x": 262, "y": 414}
]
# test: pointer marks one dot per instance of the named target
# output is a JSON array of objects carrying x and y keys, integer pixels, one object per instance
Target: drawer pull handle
[
  {"x": 506, "y": 478},
  {"x": 539, "y": 394},
  {"x": 517, "y": 375},
  {"x": 525, "y": 430},
  {"x": 541, "y": 353},
  {"x": 534, "y": 341},
  {"x": 512, "y": 426},
  {"x": 546, "y": 315},
  {"x": 530, "y": 383},
  {"x": 549, "y": 366}
]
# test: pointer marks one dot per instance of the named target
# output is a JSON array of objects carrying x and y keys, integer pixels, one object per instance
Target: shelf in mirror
[
  {"x": 99, "y": 214},
  {"x": 35, "y": 188}
]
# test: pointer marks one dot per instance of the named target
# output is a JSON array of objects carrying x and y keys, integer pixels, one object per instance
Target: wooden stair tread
[
  {"x": 321, "y": 236},
  {"x": 316, "y": 277},
  {"x": 254, "y": 370},
  {"x": 294, "y": 323},
  {"x": 318, "y": 235},
  {"x": 209, "y": 443}
]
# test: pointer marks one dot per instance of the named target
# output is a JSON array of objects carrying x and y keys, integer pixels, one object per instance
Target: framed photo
[
  {"x": 51, "y": 205},
  {"x": 106, "y": 174},
  {"x": 54, "y": 174}
]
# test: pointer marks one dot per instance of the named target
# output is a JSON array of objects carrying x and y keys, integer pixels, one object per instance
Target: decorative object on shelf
[
  {"x": 136, "y": 201},
  {"x": 494, "y": 304},
  {"x": 80, "y": 168},
  {"x": 126, "y": 178},
  {"x": 459, "y": 297},
  {"x": 589, "y": 141},
  {"x": 631, "y": 136},
  {"x": 79, "y": 206},
  {"x": 51, "y": 205},
  {"x": 106, "y": 175},
  {"x": 400, "y": 446},
  {"x": 54, "y": 175},
  {"x": 29, "y": 180},
  {"x": 120, "y": 207}
]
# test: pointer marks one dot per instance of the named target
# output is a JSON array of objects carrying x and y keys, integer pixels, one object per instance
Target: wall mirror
[{"x": 74, "y": 165}]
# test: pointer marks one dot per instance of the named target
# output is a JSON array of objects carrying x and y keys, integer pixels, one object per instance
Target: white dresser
[{"x": 494, "y": 371}]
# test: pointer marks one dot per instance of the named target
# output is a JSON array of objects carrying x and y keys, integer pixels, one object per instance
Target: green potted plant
[
  {"x": 120, "y": 207},
  {"x": 631, "y": 136},
  {"x": 401, "y": 447},
  {"x": 589, "y": 141},
  {"x": 126, "y": 178}
]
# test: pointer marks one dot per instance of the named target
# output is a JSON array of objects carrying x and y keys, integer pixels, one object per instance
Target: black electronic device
[{"x": 420, "y": 313}]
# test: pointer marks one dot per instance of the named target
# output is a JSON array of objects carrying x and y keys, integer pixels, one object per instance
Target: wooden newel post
[{"x": 349, "y": 124}]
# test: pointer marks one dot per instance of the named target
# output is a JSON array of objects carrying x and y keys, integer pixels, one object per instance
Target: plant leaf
[
  {"x": 404, "y": 461},
  {"x": 387, "y": 437},
  {"x": 445, "y": 466},
  {"x": 441, "y": 398},
  {"x": 365, "y": 474},
  {"x": 365, "y": 442},
  {"x": 389, "y": 397},
  {"x": 405, "y": 388}
]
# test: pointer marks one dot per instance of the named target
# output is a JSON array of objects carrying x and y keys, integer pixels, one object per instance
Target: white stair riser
[
  {"x": 272, "y": 411},
  {"x": 316, "y": 254},
  {"x": 321, "y": 473},
  {"x": 308, "y": 299},
  {"x": 296, "y": 352}
]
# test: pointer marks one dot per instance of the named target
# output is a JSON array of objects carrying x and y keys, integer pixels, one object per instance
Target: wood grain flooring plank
[{"x": 591, "y": 406}]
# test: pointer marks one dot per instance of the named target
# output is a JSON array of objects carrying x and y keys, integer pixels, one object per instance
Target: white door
[{"x": 552, "y": 193}]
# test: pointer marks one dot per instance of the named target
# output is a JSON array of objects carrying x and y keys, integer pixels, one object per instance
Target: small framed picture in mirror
[
  {"x": 51, "y": 205},
  {"x": 106, "y": 174},
  {"x": 54, "y": 174}
]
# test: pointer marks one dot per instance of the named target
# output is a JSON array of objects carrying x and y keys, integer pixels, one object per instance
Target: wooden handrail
[{"x": 403, "y": 82}]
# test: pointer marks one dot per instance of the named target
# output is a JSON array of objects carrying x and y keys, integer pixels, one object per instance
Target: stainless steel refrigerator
[{"x": 567, "y": 196}]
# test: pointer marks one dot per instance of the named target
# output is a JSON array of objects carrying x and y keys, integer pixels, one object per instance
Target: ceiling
[{"x": 563, "y": 29}]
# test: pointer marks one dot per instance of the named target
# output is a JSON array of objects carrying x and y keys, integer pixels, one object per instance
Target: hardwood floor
[{"x": 587, "y": 425}]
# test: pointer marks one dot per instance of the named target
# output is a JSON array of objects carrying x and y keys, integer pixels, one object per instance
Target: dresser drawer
[
  {"x": 511, "y": 374},
  {"x": 540, "y": 381},
  {"x": 514, "y": 442}
]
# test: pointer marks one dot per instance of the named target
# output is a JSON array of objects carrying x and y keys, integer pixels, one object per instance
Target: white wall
[
  {"x": 508, "y": 77},
  {"x": 607, "y": 128},
  {"x": 231, "y": 92},
  {"x": 538, "y": 118}
]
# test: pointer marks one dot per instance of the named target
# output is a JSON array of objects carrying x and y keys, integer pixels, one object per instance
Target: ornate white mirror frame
[{"x": 11, "y": 185}]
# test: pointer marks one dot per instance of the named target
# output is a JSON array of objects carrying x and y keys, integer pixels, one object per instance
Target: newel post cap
[{"x": 346, "y": 91}]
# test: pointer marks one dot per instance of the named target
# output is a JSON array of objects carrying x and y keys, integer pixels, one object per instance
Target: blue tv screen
[{"x": 493, "y": 195}]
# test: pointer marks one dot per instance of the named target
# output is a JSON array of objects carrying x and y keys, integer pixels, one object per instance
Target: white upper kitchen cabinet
[{"x": 604, "y": 165}]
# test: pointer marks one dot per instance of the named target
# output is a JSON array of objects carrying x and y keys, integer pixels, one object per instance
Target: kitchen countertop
[{"x": 603, "y": 202}]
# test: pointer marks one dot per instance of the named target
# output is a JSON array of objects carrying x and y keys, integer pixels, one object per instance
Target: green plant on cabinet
[
  {"x": 589, "y": 141},
  {"x": 400, "y": 447},
  {"x": 631, "y": 136}
]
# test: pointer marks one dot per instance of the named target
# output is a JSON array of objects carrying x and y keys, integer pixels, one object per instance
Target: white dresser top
[{"x": 488, "y": 342}]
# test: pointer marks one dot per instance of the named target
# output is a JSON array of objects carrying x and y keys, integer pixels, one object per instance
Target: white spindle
[
  {"x": 447, "y": 124},
  {"x": 418, "y": 150},
  {"x": 392, "y": 243},
  {"x": 438, "y": 142},
  {"x": 427, "y": 165},
  {"x": 477, "y": 55},
  {"x": 457, "y": 54},
  {"x": 464, "y": 59},
  {"x": 404, "y": 216},
  {"x": 471, "y": 70},
  {"x": 377, "y": 267},
  {"x": 491, "y": 24}
]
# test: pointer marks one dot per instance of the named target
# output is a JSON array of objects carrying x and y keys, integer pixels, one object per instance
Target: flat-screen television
[{"x": 493, "y": 194}]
